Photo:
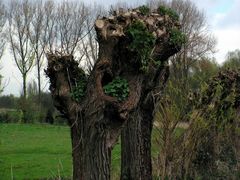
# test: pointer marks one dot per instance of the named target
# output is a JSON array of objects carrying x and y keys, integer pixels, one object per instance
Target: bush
[
  {"x": 8, "y": 101},
  {"x": 142, "y": 43},
  {"x": 162, "y": 10},
  {"x": 177, "y": 38},
  {"x": 144, "y": 10},
  {"x": 10, "y": 116}
]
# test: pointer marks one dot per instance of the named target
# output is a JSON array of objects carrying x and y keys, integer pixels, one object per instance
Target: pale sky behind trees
[{"x": 222, "y": 18}]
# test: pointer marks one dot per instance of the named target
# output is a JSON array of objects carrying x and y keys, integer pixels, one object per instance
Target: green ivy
[
  {"x": 177, "y": 38},
  {"x": 142, "y": 42},
  {"x": 79, "y": 89},
  {"x": 117, "y": 88},
  {"x": 144, "y": 10},
  {"x": 157, "y": 63},
  {"x": 162, "y": 10}
]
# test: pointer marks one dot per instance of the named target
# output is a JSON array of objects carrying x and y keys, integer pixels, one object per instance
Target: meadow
[
  {"x": 30, "y": 151},
  {"x": 42, "y": 151}
]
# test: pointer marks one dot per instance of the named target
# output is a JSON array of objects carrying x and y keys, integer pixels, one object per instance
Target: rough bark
[
  {"x": 97, "y": 119},
  {"x": 136, "y": 147},
  {"x": 136, "y": 158}
]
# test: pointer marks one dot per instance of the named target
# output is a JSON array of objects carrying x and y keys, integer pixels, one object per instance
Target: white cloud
[
  {"x": 11, "y": 76},
  {"x": 226, "y": 27},
  {"x": 228, "y": 40}
]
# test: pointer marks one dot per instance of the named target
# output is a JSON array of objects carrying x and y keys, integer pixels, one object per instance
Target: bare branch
[{"x": 19, "y": 18}]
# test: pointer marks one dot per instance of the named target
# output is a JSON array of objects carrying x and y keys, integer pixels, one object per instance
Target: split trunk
[{"x": 97, "y": 118}]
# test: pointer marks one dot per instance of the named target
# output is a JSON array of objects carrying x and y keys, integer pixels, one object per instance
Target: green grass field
[
  {"x": 38, "y": 151},
  {"x": 34, "y": 151}
]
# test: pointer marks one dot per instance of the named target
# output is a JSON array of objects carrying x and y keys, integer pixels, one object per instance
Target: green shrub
[
  {"x": 177, "y": 38},
  {"x": 162, "y": 10},
  {"x": 142, "y": 42},
  {"x": 117, "y": 88},
  {"x": 144, "y": 10},
  {"x": 10, "y": 116}
]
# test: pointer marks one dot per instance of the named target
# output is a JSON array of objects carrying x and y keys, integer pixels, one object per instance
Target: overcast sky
[{"x": 222, "y": 17}]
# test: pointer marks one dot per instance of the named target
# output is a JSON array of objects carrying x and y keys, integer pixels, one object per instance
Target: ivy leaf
[{"x": 117, "y": 88}]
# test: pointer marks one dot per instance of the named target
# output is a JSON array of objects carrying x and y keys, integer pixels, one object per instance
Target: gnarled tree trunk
[
  {"x": 136, "y": 135},
  {"x": 95, "y": 117},
  {"x": 136, "y": 147}
]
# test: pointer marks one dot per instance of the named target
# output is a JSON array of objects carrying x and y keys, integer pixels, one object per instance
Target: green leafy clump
[
  {"x": 162, "y": 10},
  {"x": 177, "y": 38},
  {"x": 117, "y": 88},
  {"x": 158, "y": 63},
  {"x": 142, "y": 42},
  {"x": 144, "y": 10},
  {"x": 78, "y": 91}
]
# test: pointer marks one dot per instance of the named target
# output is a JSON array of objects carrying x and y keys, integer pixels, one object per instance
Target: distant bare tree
[
  {"x": 49, "y": 22},
  {"x": 32, "y": 89},
  {"x": 88, "y": 47},
  {"x": 70, "y": 26},
  {"x": 36, "y": 34},
  {"x": 2, "y": 36},
  {"x": 19, "y": 18},
  {"x": 2, "y": 23},
  {"x": 232, "y": 60},
  {"x": 200, "y": 43}
]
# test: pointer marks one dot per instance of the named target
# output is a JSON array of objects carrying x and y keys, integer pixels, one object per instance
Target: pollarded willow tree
[{"x": 133, "y": 48}]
